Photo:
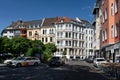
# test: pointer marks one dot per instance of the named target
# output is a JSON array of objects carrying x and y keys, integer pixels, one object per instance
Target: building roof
[
  {"x": 49, "y": 21},
  {"x": 34, "y": 22},
  {"x": 64, "y": 19}
]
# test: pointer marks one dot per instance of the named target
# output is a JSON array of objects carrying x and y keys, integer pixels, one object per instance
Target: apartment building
[
  {"x": 110, "y": 22},
  {"x": 97, "y": 12},
  {"x": 67, "y": 34},
  {"x": 16, "y": 29},
  {"x": 34, "y": 29},
  {"x": 48, "y": 30},
  {"x": 70, "y": 38},
  {"x": 89, "y": 42}
]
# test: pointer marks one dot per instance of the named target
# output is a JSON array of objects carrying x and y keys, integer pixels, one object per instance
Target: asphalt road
[{"x": 72, "y": 70}]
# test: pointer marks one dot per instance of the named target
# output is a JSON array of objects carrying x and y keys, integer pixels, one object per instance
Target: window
[
  {"x": 116, "y": 6},
  {"x": 67, "y": 26},
  {"x": 69, "y": 43},
  {"x": 76, "y": 35},
  {"x": 112, "y": 31},
  {"x": 11, "y": 31},
  {"x": 116, "y": 30},
  {"x": 89, "y": 31},
  {"x": 51, "y": 39},
  {"x": 66, "y": 43},
  {"x": 86, "y": 31},
  {"x": 66, "y": 35},
  {"x": 58, "y": 42},
  {"x": 60, "y": 26},
  {"x": 106, "y": 34},
  {"x": 51, "y": 31},
  {"x": 106, "y": 13},
  {"x": 112, "y": 9},
  {"x": 42, "y": 39},
  {"x": 103, "y": 36},
  {"x": 36, "y": 33},
  {"x": 69, "y": 34},
  {"x": 30, "y": 33},
  {"x": 46, "y": 40},
  {"x": 91, "y": 45},
  {"x": 86, "y": 37},
  {"x": 44, "y": 32}
]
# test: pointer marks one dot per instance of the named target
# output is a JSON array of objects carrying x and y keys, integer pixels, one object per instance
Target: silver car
[
  {"x": 24, "y": 61},
  {"x": 98, "y": 61}
]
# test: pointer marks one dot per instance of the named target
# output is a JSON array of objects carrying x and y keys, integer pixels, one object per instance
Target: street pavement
[{"x": 72, "y": 70}]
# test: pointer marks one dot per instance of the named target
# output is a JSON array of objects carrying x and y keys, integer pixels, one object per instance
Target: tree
[
  {"x": 4, "y": 48},
  {"x": 19, "y": 45},
  {"x": 64, "y": 52},
  {"x": 37, "y": 47},
  {"x": 5, "y": 45},
  {"x": 50, "y": 48}
]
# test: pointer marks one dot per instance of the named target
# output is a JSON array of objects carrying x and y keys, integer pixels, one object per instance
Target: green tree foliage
[
  {"x": 50, "y": 48},
  {"x": 36, "y": 47},
  {"x": 29, "y": 52},
  {"x": 64, "y": 52},
  {"x": 19, "y": 45},
  {"x": 5, "y": 45}
]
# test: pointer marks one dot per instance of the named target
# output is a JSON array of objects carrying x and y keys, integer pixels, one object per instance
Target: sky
[{"x": 13, "y": 10}]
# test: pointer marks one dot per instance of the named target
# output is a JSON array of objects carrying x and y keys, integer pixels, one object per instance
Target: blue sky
[{"x": 13, "y": 10}]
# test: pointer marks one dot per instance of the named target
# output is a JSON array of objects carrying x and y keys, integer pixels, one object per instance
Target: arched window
[
  {"x": 112, "y": 31},
  {"x": 112, "y": 9}
]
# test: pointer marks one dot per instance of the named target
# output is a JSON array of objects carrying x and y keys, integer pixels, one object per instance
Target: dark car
[
  {"x": 90, "y": 59},
  {"x": 56, "y": 61}
]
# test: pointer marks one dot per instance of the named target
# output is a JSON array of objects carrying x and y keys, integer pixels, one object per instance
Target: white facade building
[
  {"x": 69, "y": 35},
  {"x": 89, "y": 41},
  {"x": 97, "y": 12},
  {"x": 8, "y": 32}
]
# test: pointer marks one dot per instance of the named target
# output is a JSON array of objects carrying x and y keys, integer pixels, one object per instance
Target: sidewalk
[{"x": 2, "y": 65}]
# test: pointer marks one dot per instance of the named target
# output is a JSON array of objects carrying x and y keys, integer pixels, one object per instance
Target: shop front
[{"x": 111, "y": 52}]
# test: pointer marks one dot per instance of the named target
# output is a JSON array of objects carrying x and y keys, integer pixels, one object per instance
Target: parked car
[
  {"x": 90, "y": 59},
  {"x": 8, "y": 60},
  {"x": 98, "y": 61},
  {"x": 24, "y": 61},
  {"x": 56, "y": 61}
]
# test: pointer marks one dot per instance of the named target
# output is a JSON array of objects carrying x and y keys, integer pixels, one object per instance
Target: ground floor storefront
[{"x": 111, "y": 52}]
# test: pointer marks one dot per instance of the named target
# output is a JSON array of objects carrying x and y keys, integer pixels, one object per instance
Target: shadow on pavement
[{"x": 66, "y": 72}]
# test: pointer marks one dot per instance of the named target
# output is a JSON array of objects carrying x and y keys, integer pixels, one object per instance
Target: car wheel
[
  {"x": 19, "y": 65},
  {"x": 36, "y": 64}
]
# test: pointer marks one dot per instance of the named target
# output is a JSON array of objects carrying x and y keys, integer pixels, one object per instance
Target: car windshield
[
  {"x": 100, "y": 59},
  {"x": 19, "y": 58}
]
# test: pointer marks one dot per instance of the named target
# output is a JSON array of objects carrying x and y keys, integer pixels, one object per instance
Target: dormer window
[
  {"x": 38, "y": 25},
  {"x": 62, "y": 20}
]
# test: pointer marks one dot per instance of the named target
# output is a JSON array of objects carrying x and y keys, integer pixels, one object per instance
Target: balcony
[{"x": 23, "y": 35}]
